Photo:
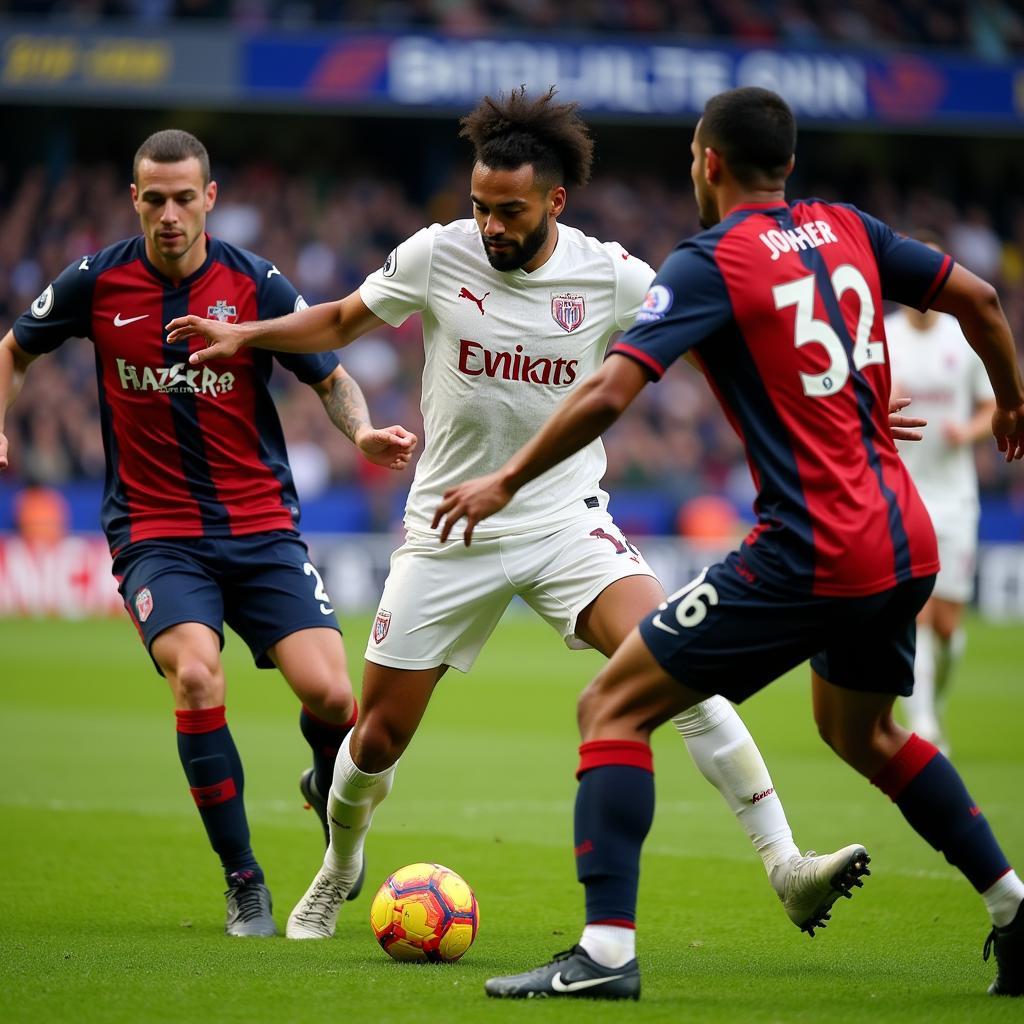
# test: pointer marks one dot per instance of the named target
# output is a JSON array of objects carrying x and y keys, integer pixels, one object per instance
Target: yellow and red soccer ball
[{"x": 425, "y": 912}]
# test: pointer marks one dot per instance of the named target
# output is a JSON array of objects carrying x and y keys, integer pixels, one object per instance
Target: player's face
[
  {"x": 172, "y": 202},
  {"x": 707, "y": 208},
  {"x": 514, "y": 216}
]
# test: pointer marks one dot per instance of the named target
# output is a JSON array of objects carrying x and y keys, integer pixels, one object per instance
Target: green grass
[{"x": 111, "y": 900}]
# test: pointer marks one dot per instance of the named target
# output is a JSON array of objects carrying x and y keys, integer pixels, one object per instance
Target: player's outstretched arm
[
  {"x": 14, "y": 361},
  {"x": 589, "y": 411},
  {"x": 320, "y": 328},
  {"x": 975, "y": 304},
  {"x": 391, "y": 447}
]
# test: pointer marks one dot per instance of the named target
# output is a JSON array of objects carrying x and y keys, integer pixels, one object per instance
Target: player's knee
[
  {"x": 197, "y": 684},
  {"x": 378, "y": 742},
  {"x": 328, "y": 694},
  {"x": 337, "y": 704}
]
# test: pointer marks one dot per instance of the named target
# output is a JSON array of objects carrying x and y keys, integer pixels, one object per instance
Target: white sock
[
  {"x": 609, "y": 945},
  {"x": 947, "y": 655},
  {"x": 1003, "y": 899},
  {"x": 728, "y": 758},
  {"x": 353, "y": 798},
  {"x": 920, "y": 705}
]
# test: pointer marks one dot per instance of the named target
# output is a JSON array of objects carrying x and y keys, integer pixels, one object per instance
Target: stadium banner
[
  {"x": 629, "y": 79},
  {"x": 116, "y": 66},
  {"x": 71, "y": 578},
  {"x": 406, "y": 73}
]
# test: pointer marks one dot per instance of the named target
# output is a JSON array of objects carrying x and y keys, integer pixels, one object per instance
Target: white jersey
[
  {"x": 502, "y": 349},
  {"x": 940, "y": 371}
]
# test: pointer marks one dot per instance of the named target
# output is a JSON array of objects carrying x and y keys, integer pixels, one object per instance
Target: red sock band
[
  {"x": 218, "y": 793},
  {"x": 615, "y": 922},
  {"x": 598, "y": 753},
  {"x": 334, "y": 725},
  {"x": 199, "y": 720},
  {"x": 908, "y": 762}
]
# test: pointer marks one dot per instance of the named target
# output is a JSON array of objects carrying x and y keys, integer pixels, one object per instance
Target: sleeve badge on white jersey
[
  {"x": 568, "y": 311},
  {"x": 657, "y": 302},
  {"x": 42, "y": 306},
  {"x": 391, "y": 264}
]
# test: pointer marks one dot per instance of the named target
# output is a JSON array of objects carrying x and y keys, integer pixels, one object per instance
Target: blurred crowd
[
  {"x": 989, "y": 28},
  {"x": 327, "y": 235}
]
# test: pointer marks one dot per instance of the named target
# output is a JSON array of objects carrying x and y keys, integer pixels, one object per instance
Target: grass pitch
[{"x": 111, "y": 899}]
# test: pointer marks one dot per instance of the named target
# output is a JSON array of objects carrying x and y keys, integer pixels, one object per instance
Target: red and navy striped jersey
[
  {"x": 191, "y": 450},
  {"x": 782, "y": 305}
]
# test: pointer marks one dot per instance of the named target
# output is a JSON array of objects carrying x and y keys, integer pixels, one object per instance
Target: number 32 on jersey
[{"x": 800, "y": 293}]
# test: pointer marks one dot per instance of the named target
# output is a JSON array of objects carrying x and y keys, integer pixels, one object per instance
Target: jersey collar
[
  {"x": 547, "y": 269},
  {"x": 185, "y": 282}
]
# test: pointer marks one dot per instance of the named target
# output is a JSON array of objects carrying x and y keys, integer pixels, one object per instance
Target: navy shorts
[
  {"x": 263, "y": 585},
  {"x": 726, "y": 633}
]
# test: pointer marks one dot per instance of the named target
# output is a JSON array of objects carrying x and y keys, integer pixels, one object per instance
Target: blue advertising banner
[
  {"x": 404, "y": 73},
  {"x": 627, "y": 79}
]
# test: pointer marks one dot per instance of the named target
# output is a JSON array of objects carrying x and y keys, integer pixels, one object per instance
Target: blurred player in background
[
  {"x": 933, "y": 364},
  {"x": 517, "y": 310},
  {"x": 199, "y": 507},
  {"x": 781, "y": 303}
]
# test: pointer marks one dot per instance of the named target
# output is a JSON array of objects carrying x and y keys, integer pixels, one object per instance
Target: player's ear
[
  {"x": 211, "y": 195},
  {"x": 790, "y": 165},
  {"x": 556, "y": 200},
  {"x": 712, "y": 166},
  {"x": 135, "y": 196}
]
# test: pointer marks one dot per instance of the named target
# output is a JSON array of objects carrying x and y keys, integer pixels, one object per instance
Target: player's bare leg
[
  {"x": 930, "y": 794},
  {"x": 189, "y": 656},
  {"x": 313, "y": 663},
  {"x": 727, "y": 756},
  {"x": 394, "y": 701}
]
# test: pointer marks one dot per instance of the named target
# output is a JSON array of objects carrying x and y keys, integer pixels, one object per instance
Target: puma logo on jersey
[
  {"x": 465, "y": 293},
  {"x": 477, "y": 361}
]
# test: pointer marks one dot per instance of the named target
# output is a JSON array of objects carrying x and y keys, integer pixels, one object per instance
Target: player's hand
[
  {"x": 391, "y": 447},
  {"x": 222, "y": 340},
  {"x": 902, "y": 427},
  {"x": 474, "y": 500},
  {"x": 1008, "y": 428},
  {"x": 3, "y": 452}
]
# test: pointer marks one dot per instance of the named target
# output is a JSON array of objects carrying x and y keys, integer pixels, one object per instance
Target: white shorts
[
  {"x": 958, "y": 551},
  {"x": 442, "y": 602}
]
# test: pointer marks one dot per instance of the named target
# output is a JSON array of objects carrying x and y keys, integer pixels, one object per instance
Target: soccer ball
[{"x": 425, "y": 912}]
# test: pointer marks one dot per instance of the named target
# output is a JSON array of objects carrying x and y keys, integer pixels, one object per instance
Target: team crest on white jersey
[
  {"x": 222, "y": 311},
  {"x": 568, "y": 311},
  {"x": 381, "y": 625},
  {"x": 143, "y": 604}
]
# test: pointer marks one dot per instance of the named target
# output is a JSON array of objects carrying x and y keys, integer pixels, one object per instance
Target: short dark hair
[
  {"x": 169, "y": 147},
  {"x": 513, "y": 130},
  {"x": 753, "y": 130}
]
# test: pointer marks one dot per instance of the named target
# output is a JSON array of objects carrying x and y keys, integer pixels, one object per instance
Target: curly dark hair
[{"x": 514, "y": 129}]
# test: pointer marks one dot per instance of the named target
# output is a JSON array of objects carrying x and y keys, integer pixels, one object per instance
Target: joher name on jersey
[
  {"x": 174, "y": 379},
  {"x": 804, "y": 236},
  {"x": 476, "y": 361}
]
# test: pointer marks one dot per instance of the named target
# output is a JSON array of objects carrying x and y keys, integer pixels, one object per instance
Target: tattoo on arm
[{"x": 346, "y": 407}]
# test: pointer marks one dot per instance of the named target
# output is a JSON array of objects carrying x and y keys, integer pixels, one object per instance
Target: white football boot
[{"x": 809, "y": 885}]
